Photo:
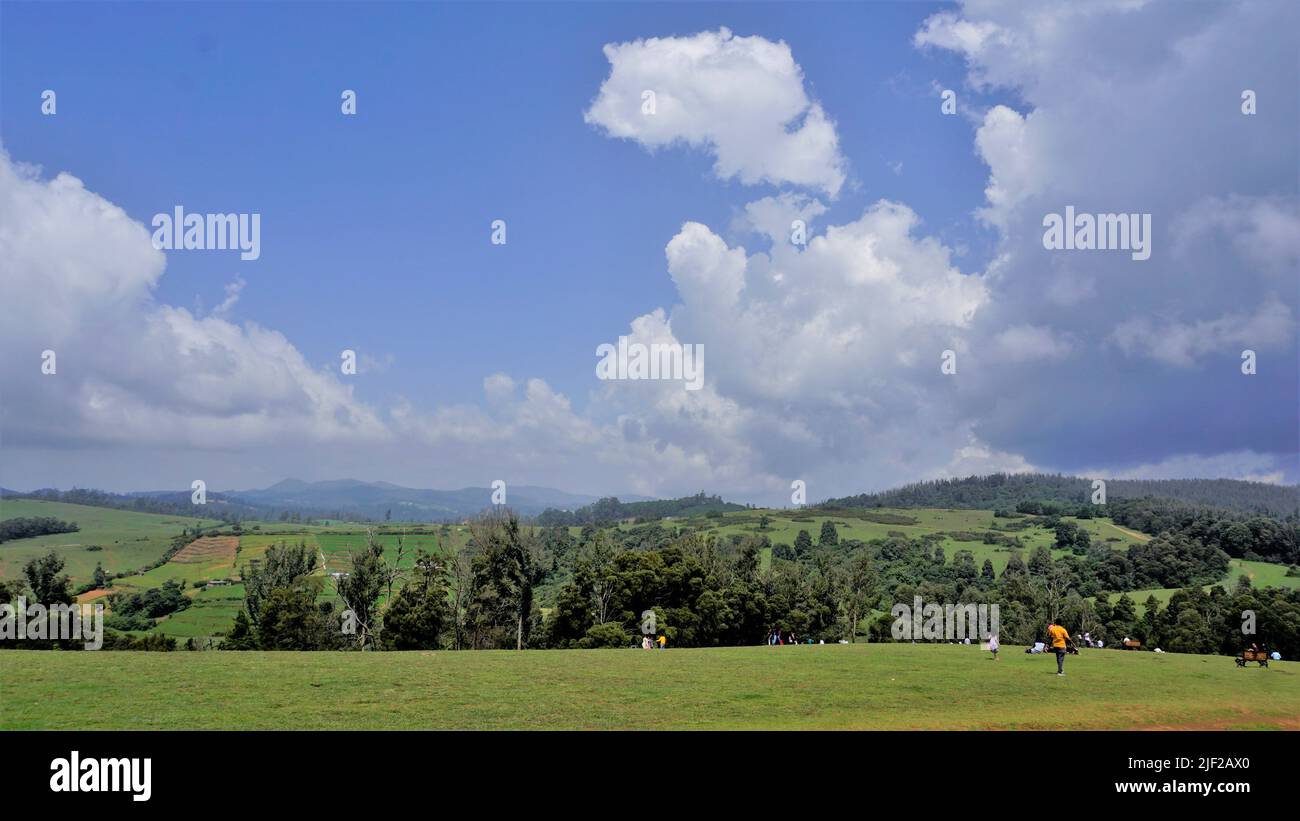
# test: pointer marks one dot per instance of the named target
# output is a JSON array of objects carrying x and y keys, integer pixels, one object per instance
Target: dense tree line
[
  {"x": 609, "y": 510},
  {"x": 1256, "y": 538},
  {"x": 700, "y": 592},
  {"x": 1197, "y": 621},
  {"x": 706, "y": 592},
  {"x": 28, "y": 527}
]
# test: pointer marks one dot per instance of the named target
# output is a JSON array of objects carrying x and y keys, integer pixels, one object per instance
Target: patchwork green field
[
  {"x": 877, "y": 686},
  {"x": 128, "y": 540},
  {"x": 214, "y": 608}
]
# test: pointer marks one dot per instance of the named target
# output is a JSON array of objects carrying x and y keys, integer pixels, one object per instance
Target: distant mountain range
[
  {"x": 375, "y": 500},
  {"x": 346, "y": 499}
]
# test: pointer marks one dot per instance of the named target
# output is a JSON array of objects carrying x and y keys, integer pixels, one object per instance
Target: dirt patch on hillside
[
  {"x": 1141, "y": 537},
  {"x": 91, "y": 595},
  {"x": 208, "y": 550}
]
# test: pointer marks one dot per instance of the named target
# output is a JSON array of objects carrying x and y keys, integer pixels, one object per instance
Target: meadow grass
[{"x": 877, "y": 686}]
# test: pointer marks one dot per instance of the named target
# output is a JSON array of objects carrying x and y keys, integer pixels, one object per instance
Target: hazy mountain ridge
[
  {"x": 346, "y": 499},
  {"x": 375, "y": 500}
]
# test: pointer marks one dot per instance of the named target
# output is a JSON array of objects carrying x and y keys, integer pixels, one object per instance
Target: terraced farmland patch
[{"x": 219, "y": 550}]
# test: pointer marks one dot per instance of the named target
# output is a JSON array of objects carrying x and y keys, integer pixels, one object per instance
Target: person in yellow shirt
[
  {"x": 1059, "y": 637},
  {"x": 663, "y": 641}
]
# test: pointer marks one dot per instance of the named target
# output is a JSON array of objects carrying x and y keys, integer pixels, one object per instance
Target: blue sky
[
  {"x": 375, "y": 237},
  {"x": 377, "y": 226}
]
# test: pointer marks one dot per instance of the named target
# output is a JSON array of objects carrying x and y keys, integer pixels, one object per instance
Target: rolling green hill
[
  {"x": 1007, "y": 490},
  {"x": 957, "y": 529},
  {"x": 128, "y": 540}
]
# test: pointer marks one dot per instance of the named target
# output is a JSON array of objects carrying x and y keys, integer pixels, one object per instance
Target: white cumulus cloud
[{"x": 740, "y": 98}]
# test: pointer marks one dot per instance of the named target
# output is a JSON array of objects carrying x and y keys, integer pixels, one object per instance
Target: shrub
[{"x": 608, "y": 635}]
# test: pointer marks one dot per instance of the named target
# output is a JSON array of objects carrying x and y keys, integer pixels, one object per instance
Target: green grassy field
[
  {"x": 878, "y": 686},
  {"x": 129, "y": 540}
]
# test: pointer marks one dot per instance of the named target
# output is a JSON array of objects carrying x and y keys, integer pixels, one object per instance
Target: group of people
[
  {"x": 775, "y": 637},
  {"x": 648, "y": 643},
  {"x": 1257, "y": 648}
]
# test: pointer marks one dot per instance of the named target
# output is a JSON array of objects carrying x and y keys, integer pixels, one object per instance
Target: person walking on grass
[
  {"x": 1060, "y": 638},
  {"x": 993, "y": 646}
]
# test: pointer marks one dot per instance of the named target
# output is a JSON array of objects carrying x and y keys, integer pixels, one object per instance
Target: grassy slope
[
  {"x": 130, "y": 540},
  {"x": 784, "y": 528},
  {"x": 1261, "y": 574},
  {"x": 879, "y": 686}
]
